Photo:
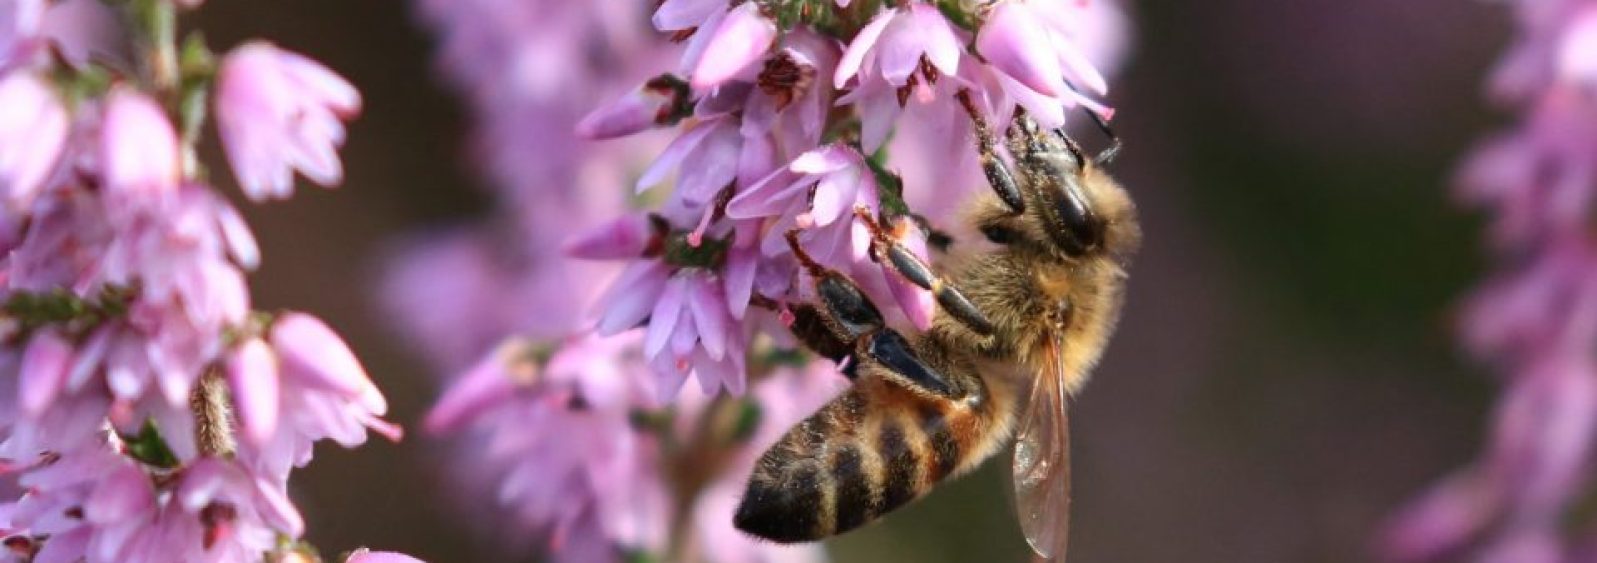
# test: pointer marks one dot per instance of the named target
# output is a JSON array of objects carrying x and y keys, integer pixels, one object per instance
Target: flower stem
[
  {"x": 213, "y": 423},
  {"x": 157, "y": 20}
]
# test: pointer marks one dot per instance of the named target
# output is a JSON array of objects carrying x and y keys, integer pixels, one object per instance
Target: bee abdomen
[{"x": 848, "y": 464}]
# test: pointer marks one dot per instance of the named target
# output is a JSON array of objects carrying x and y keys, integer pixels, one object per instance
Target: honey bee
[{"x": 1018, "y": 328}]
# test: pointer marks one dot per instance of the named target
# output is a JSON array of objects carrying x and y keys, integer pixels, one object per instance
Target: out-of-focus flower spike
[
  {"x": 253, "y": 379},
  {"x": 1444, "y": 519},
  {"x": 492, "y": 380},
  {"x": 33, "y": 129},
  {"x": 741, "y": 39},
  {"x": 1014, "y": 41},
  {"x": 138, "y": 146}
]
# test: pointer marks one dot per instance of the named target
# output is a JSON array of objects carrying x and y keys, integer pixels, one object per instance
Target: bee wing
[{"x": 1042, "y": 463}]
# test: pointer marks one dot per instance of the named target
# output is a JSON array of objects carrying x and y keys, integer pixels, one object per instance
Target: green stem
[{"x": 156, "y": 21}]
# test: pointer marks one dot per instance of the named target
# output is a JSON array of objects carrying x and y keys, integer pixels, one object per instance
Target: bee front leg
[{"x": 997, "y": 171}]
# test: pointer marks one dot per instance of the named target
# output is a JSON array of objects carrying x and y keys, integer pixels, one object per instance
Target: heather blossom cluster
[
  {"x": 620, "y": 420},
  {"x": 1535, "y": 320},
  {"x": 148, "y": 412}
]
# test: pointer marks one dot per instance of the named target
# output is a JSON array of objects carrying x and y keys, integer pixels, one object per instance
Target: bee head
[
  {"x": 1057, "y": 170},
  {"x": 1072, "y": 207}
]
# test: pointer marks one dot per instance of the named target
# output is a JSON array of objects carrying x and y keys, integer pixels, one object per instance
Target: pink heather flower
[
  {"x": 649, "y": 105},
  {"x": 1015, "y": 42},
  {"x": 692, "y": 315},
  {"x": 707, "y": 157},
  {"x": 622, "y": 238},
  {"x": 138, "y": 146},
  {"x": 894, "y": 43},
  {"x": 33, "y": 129},
  {"x": 1039, "y": 62},
  {"x": 99, "y": 507},
  {"x": 841, "y": 181},
  {"x": 279, "y": 112},
  {"x": 320, "y": 391},
  {"x": 677, "y": 15},
  {"x": 736, "y": 43},
  {"x": 82, "y": 31},
  {"x": 568, "y": 462}
]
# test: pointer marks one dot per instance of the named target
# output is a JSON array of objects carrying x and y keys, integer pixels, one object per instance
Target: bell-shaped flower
[
  {"x": 279, "y": 112},
  {"x": 737, "y": 42}
]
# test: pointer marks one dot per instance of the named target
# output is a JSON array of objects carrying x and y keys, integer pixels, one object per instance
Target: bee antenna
[{"x": 1108, "y": 154}]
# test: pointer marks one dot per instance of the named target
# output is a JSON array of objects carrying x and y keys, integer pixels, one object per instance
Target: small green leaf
[
  {"x": 637, "y": 556},
  {"x": 149, "y": 448},
  {"x": 748, "y": 419}
]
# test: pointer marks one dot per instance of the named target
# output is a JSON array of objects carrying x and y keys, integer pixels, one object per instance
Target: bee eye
[
  {"x": 999, "y": 234},
  {"x": 1079, "y": 229}
]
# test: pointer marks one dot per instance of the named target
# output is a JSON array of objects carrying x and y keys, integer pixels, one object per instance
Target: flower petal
[
  {"x": 708, "y": 302},
  {"x": 43, "y": 371},
  {"x": 741, "y": 39},
  {"x": 1014, "y": 42},
  {"x": 863, "y": 42},
  {"x": 663, "y": 321},
  {"x": 253, "y": 380}
]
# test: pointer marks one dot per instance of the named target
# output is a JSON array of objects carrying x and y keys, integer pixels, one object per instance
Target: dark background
[{"x": 1285, "y": 374}]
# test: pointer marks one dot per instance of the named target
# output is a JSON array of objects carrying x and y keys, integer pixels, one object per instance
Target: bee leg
[
  {"x": 994, "y": 167},
  {"x": 889, "y": 349},
  {"x": 850, "y": 312},
  {"x": 888, "y": 251},
  {"x": 1107, "y": 155},
  {"x": 1037, "y": 150},
  {"x": 813, "y": 330}
]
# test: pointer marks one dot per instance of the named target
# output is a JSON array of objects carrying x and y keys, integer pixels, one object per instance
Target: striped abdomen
[{"x": 873, "y": 449}]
